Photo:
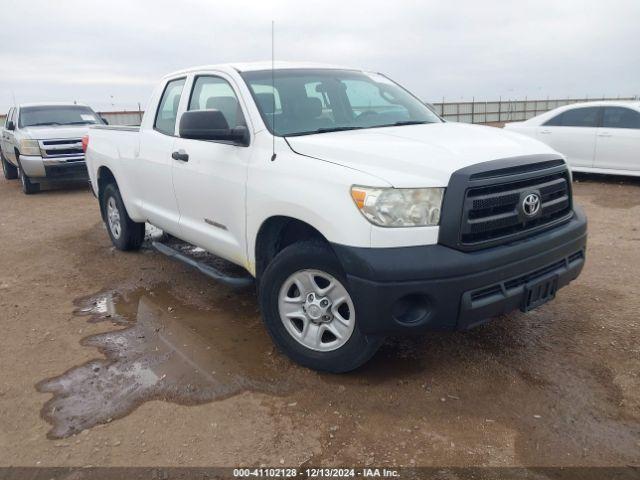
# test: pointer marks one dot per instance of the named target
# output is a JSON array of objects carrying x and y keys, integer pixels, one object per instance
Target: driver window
[{"x": 215, "y": 93}]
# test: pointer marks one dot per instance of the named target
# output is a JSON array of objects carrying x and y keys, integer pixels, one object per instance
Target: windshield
[
  {"x": 306, "y": 101},
  {"x": 57, "y": 115}
]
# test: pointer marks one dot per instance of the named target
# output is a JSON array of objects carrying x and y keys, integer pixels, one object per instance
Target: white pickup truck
[{"x": 357, "y": 210}]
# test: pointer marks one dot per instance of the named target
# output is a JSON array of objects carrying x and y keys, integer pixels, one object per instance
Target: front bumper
[
  {"x": 50, "y": 170},
  {"x": 434, "y": 287}
]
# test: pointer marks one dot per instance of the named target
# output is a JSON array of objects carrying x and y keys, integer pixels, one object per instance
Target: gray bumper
[{"x": 49, "y": 169}]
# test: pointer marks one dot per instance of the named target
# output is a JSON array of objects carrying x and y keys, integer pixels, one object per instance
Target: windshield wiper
[
  {"x": 43, "y": 124},
  {"x": 78, "y": 123},
  {"x": 335, "y": 129},
  {"x": 408, "y": 122},
  {"x": 322, "y": 130}
]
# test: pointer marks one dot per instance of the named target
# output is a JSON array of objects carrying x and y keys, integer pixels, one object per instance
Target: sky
[{"x": 110, "y": 54}]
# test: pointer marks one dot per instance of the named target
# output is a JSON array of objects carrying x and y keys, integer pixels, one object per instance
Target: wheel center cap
[{"x": 314, "y": 311}]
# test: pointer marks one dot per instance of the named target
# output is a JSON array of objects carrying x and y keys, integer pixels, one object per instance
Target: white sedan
[{"x": 597, "y": 137}]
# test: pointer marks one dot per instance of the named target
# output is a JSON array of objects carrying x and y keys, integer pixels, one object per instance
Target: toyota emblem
[{"x": 531, "y": 204}]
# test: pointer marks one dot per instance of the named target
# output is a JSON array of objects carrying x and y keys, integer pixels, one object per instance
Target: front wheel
[
  {"x": 28, "y": 187},
  {"x": 9, "y": 170},
  {"x": 309, "y": 312},
  {"x": 125, "y": 234}
]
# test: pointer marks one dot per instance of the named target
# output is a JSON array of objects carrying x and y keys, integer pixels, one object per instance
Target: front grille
[
  {"x": 71, "y": 147},
  {"x": 63, "y": 152},
  {"x": 69, "y": 170},
  {"x": 493, "y": 211}
]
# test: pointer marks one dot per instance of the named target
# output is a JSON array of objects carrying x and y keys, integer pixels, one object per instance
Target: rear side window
[
  {"x": 577, "y": 117},
  {"x": 168, "y": 107},
  {"x": 215, "y": 93},
  {"x": 620, "y": 117}
]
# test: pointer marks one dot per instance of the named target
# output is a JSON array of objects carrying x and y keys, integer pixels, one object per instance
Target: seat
[
  {"x": 229, "y": 107},
  {"x": 306, "y": 115}
]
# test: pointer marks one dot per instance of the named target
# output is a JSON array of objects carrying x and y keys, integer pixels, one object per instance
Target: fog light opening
[{"x": 411, "y": 309}]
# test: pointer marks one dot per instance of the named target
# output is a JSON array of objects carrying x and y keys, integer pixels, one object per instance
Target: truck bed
[{"x": 124, "y": 128}]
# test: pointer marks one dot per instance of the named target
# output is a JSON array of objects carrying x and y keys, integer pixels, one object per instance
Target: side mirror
[
  {"x": 11, "y": 125},
  {"x": 104, "y": 120},
  {"x": 211, "y": 125}
]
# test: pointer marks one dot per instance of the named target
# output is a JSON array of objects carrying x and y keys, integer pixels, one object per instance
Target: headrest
[
  {"x": 309, "y": 107},
  {"x": 266, "y": 101}
]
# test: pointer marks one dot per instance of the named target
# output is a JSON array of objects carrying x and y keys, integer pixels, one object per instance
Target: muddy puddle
[{"x": 164, "y": 350}]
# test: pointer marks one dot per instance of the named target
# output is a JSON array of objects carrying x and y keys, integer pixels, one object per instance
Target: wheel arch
[
  {"x": 105, "y": 177},
  {"x": 278, "y": 232}
]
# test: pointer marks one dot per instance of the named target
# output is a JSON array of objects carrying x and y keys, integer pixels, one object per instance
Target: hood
[
  {"x": 58, "y": 132},
  {"x": 416, "y": 155}
]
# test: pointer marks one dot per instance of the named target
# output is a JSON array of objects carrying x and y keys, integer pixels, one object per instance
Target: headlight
[
  {"x": 29, "y": 147},
  {"x": 399, "y": 207}
]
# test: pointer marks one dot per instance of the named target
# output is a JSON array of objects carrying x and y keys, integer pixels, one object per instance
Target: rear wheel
[
  {"x": 28, "y": 187},
  {"x": 10, "y": 171},
  {"x": 309, "y": 311},
  {"x": 125, "y": 234}
]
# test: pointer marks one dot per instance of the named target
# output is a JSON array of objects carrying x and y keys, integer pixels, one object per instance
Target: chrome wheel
[
  {"x": 113, "y": 217},
  {"x": 316, "y": 310}
]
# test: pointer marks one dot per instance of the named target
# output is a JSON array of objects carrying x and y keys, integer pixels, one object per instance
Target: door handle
[
  {"x": 180, "y": 155},
  {"x": 604, "y": 134},
  {"x": 546, "y": 132}
]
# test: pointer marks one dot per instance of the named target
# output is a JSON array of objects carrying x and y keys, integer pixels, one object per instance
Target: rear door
[
  {"x": 153, "y": 164},
  {"x": 573, "y": 133},
  {"x": 210, "y": 185},
  {"x": 618, "y": 139}
]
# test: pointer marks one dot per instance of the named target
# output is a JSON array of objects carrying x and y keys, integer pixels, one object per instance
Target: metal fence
[
  {"x": 502, "y": 111},
  {"x": 114, "y": 118},
  {"x": 493, "y": 112}
]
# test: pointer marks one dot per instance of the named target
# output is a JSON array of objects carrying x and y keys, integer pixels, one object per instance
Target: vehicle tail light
[{"x": 85, "y": 143}]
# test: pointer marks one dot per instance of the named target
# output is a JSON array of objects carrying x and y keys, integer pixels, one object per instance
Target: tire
[
  {"x": 294, "y": 335},
  {"x": 125, "y": 234},
  {"x": 10, "y": 171},
  {"x": 28, "y": 187}
]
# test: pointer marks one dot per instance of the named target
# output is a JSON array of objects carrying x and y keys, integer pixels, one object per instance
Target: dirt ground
[{"x": 153, "y": 364}]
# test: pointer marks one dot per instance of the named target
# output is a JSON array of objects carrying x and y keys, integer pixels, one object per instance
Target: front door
[
  {"x": 8, "y": 141},
  {"x": 5, "y": 133},
  {"x": 210, "y": 177}
]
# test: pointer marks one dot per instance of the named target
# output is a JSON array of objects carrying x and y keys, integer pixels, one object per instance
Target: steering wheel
[{"x": 367, "y": 113}]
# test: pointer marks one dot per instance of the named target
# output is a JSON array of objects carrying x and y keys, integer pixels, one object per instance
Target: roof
[
  {"x": 52, "y": 104},
  {"x": 597, "y": 103},
  {"x": 263, "y": 65}
]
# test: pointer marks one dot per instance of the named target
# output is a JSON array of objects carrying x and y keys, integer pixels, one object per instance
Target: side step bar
[{"x": 234, "y": 282}]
